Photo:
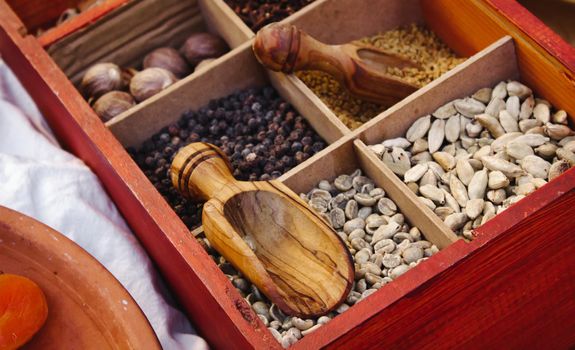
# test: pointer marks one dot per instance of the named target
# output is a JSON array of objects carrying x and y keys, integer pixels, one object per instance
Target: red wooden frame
[{"x": 481, "y": 294}]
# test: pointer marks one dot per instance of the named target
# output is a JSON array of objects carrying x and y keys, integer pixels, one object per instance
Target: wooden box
[{"x": 513, "y": 286}]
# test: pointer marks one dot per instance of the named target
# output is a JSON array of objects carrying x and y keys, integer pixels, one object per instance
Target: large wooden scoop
[
  {"x": 360, "y": 68},
  {"x": 267, "y": 232}
]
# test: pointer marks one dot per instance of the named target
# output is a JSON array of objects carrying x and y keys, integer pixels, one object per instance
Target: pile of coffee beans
[
  {"x": 262, "y": 135},
  {"x": 258, "y": 13}
]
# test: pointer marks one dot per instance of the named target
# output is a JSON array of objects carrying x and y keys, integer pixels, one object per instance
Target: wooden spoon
[
  {"x": 361, "y": 68},
  {"x": 267, "y": 232}
]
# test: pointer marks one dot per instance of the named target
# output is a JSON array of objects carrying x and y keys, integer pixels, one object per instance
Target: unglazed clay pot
[{"x": 87, "y": 307}]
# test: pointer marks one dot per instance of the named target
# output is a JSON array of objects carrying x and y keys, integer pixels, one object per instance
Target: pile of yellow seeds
[{"x": 414, "y": 42}]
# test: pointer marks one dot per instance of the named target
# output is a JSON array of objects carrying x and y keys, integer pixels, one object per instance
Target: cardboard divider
[
  {"x": 349, "y": 154},
  {"x": 224, "y": 20},
  {"x": 124, "y": 36},
  {"x": 495, "y": 63},
  {"x": 418, "y": 214},
  {"x": 232, "y": 72}
]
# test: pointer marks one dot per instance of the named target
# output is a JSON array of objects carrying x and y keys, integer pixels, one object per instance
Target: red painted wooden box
[{"x": 513, "y": 286}]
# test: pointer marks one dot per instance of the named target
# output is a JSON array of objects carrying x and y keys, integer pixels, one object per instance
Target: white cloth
[{"x": 43, "y": 181}]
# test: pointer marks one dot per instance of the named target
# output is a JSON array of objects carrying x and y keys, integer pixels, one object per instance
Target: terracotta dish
[{"x": 87, "y": 307}]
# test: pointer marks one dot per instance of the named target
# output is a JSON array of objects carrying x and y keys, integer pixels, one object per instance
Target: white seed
[
  {"x": 508, "y": 122},
  {"x": 496, "y": 196},
  {"x": 538, "y": 182},
  {"x": 458, "y": 190},
  {"x": 518, "y": 150},
  {"x": 463, "y": 121},
  {"x": 557, "y": 131},
  {"x": 560, "y": 117},
  {"x": 452, "y": 128},
  {"x": 436, "y": 168},
  {"x": 491, "y": 124},
  {"x": 528, "y": 124},
  {"x": 422, "y": 157},
  {"x": 500, "y": 90},
  {"x": 566, "y": 140},
  {"x": 527, "y": 108},
  {"x": 445, "y": 160},
  {"x": 378, "y": 149},
  {"x": 535, "y": 166},
  {"x": 566, "y": 155},
  {"x": 536, "y": 130},
  {"x": 397, "y": 160},
  {"x": 497, "y": 180},
  {"x": 483, "y": 95},
  {"x": 420, "y": 145},
  {"x": 469, "y": 107},
  {"x": 415, "y": 173},
  {"x": 495, "y": 106},
  {"x": 478, "y": 185},
  {"x": 456, "y": 221},
  {"x": 483, "y": 151},
  {"x": 542, "y": 113},
  {"x": 570, "y": 146},
  {"x": 487, "y": 218},
  {"x": 427, "y": 202},
  {"x": 443, "y": 212},
  {"x": 513, "y": 106},
  {"x": 445, "y": 111},
  {"x": 515, "y": 88},
  {"x": 433, "y": 193},
  {"x": 558, "y": 168},
  {"x": 451, "y": 202},
  {"x": 396, "y": 142},
  {"x": 507, "y": 168},
  {"x": 436, "y": 135},
  {"x": 525, "y": 189},
  {"x": 474, "y": 208},
  {"x": 464, "y": 171},
  {"x": 532, "y": 140},
  {"x": 476, "y": 164},
  {"x": 499, "y": 144},
  {"x": 473, "y": 129},
  {"x": 546, "y": 150},
  {"x": 429, "y": 178}
]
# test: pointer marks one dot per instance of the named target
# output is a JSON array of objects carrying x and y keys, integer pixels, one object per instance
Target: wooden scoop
[
  {"x": 267, "y": 232},
  {"x": 360, "y": 68}
]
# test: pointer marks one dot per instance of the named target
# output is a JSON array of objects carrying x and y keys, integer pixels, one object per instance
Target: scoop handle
[
  {"x": 284, "y": 48},
  {"x": 361, "y": 68},
  {"x": 199, "y": 170}
]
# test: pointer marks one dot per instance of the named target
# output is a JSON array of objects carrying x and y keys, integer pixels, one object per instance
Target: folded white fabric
[{"x": 41, "y": 180}]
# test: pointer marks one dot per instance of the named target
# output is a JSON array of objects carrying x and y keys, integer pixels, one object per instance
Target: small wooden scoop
[
  {"x": 267, "y": 232},
  {"x": 360, "y": 68}
]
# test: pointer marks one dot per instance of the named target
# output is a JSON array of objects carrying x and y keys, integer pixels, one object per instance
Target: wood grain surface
[
  {"x": 508, "y": 288},
  {"x": 360, "y": 68},
  {"x": 268, "y": 233}
]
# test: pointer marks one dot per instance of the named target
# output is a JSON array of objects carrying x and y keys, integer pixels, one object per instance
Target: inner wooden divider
[
  {"x": 348, "y": 154},
  {"x": 235, "y": 71},
  {"x": 491, "y": 65},
  {"x": 125, "y": 35},
  {"x": 226, "y": 22}
]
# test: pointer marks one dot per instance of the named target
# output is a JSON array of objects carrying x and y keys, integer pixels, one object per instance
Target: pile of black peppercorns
[
  {"x": 262, "y": 135},
  {"x": 257, "y": 13}
]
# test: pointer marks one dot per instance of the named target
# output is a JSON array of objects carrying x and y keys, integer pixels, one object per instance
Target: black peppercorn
[{"x": 262, "y": 135}]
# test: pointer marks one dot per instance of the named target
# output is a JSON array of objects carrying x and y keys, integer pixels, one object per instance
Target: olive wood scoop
[
  {"x": 360, "y": 68},
  {"x": 266, "y": 232}
]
